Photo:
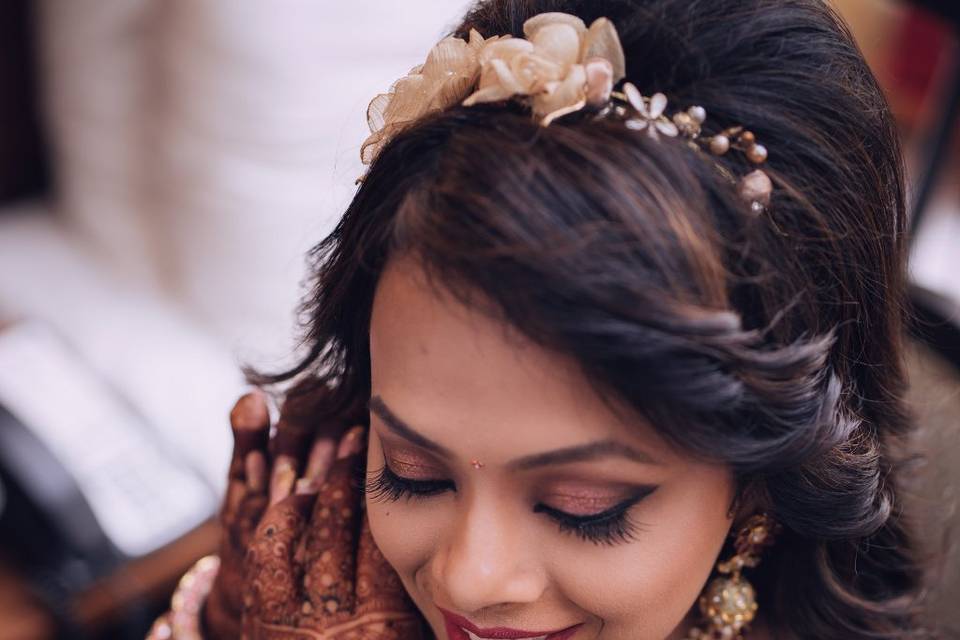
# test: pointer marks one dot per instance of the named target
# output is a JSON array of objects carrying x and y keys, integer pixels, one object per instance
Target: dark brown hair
[{"x": 771, "y": 343}]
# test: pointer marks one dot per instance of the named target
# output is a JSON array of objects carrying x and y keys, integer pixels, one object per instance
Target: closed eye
[{"x": 606, "y": 527}]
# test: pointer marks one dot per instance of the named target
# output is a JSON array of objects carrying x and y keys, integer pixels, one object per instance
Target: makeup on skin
[{"x": 510, "y": 497}]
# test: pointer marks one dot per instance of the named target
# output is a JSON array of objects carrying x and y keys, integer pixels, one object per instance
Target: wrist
[
  {"x": 183, "y": 621},
  {"x": 219, "y": 614}
]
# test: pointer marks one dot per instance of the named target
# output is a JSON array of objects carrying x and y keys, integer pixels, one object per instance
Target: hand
[
  {"x": 262, "y": 472},
  {"x": 313, "y": 570},
  {"x": 240, "y": 513}
]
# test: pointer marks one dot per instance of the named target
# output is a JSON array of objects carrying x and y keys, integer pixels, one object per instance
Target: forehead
[{"x": 457, "y": 375}]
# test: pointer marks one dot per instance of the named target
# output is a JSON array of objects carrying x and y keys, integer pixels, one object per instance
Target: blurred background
[{"x": 165, "y": 167}]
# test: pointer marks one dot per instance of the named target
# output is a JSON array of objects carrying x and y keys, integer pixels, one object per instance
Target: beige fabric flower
[
  {"x": 449, "y": 73},
  {"x": 560, "y": 67}
]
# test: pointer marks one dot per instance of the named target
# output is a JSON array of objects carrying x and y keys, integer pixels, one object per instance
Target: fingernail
[
  {"x": 250, "y": 423},
  {"x": 256, "y": 468},
  {"x": 250, "y": 411},
  {"x": 284, "y": 476},
  {"x": 321, "y": 455},
  {"x": 351, "y": 443},
  {"x": 306, "y": 486}
]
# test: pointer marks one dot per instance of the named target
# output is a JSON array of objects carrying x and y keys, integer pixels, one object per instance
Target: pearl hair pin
[{"x": 640, "y": 113}]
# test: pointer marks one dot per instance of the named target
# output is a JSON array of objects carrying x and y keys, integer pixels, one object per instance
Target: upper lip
[{"x": 495, "y": 632}]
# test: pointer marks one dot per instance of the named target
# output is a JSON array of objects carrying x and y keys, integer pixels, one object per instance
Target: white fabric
[
  {"x": 206, "y": 145},
  {"x": 201, "y": 147},
  {"x": 174, "y": 373}
]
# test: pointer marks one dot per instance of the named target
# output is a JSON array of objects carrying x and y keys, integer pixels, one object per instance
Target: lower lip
[{"x": 454, "y": 632}]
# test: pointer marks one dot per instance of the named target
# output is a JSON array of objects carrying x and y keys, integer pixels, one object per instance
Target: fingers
[
  {"x": 290, "y": 441},
  {"x": 318, "y": 464},
  {"x": 377, "y": 582},
  {"x": 312, "y": 419},
  {"x": 243, "y": 504},
  {"x": 334, "y": 527},
  {"x": 255, "y": 470},
  {"x": 324, "y": 573},
  {"x": 282, "y": 477},
  {"x": 295, "y": 432},
  {"x": 250, "y": 423},
  {"x": 352, "y": 442},
  {"x": 272, "y": 569}
]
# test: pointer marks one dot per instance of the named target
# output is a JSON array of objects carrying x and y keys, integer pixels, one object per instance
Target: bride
[{"x": 607, "y": 346}]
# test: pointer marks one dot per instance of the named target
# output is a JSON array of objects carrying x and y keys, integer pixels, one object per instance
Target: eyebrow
[{"x": 578, "y": 453}]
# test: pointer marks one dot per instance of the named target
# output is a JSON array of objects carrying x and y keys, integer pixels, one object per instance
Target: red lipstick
[{"x": 456, "y": 624}]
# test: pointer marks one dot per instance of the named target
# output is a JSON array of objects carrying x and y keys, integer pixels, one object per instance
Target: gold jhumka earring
[{"x": 729, "y": 602}]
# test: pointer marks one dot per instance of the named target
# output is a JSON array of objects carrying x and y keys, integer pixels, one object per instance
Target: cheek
[
  {"x": 646, "y": 588},
  {"x": 405, "y": 535},
  {"x": 402, "y": 530}
]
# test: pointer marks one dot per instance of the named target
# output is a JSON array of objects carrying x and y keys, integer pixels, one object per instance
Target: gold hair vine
[
  {"x": 648, "y": 114},
  {"x": 561, "y": 66}
]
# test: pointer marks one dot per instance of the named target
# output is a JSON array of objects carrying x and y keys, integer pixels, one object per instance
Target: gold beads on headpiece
[
  {"x": 737, "y": 138},
  {"x": 648, "y": 114},
  {"x": 755, "y": 187}
]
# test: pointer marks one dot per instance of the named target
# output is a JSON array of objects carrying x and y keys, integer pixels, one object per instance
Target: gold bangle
[{"x": 182, "y": 622}]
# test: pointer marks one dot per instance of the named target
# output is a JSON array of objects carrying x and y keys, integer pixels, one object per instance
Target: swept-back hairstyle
[{"x": 769, "y": 342}]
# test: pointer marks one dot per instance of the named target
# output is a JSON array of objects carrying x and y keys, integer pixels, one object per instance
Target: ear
[{"x": 750, "y": 498}]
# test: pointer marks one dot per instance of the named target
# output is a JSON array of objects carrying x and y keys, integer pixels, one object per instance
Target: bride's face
[{"x": 505, "y": 491}]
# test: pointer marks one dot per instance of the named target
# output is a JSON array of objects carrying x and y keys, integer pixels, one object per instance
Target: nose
[{"x": 489, "y": 557}]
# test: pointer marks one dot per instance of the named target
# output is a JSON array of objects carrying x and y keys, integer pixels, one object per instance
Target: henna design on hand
[{"x": 314, "y": 571}]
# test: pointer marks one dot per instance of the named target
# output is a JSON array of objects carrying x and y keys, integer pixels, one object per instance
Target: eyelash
[{"x": 609, "y": 527}]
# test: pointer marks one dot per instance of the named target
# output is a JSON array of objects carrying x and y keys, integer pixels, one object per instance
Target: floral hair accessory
[
  {"x": 648, "y": 114},
  {"x": 560, "y": 67},
  {"x": 446, "y": 78}
]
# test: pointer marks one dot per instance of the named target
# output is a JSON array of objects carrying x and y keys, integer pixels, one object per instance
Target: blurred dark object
[
  {"x": 936, "y": 323},
  {"x": 949, "y": 9},
  {"x": 89, "y": 489},
  {"x": 122, "y": 605},
  {"x": 64, "y": 555},
  {"x": 926, "y": 69},
  {"x": 24, "y": 166},
  {"x": 921, "y": 68},
  {"x": 937, "y": 145}
]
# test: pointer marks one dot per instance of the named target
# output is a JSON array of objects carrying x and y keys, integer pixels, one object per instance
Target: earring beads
[{"x": 729, "y": 602}]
